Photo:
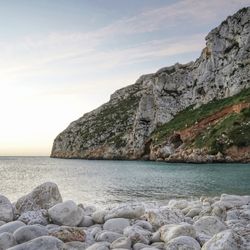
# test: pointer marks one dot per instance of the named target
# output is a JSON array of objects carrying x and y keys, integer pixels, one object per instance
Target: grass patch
[{"x": 190, "y": 116}]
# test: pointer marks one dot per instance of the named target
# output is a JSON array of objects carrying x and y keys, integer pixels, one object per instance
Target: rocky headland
[
  {"x": 197, "y": 112},
  {"x": 42, "y": 220}
]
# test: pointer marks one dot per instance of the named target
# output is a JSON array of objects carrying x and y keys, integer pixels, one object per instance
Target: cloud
[
  {"x": 186, "y": 11},
  {"x": 33, "y": 53}
]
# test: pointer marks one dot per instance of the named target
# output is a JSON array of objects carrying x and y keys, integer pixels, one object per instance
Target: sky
[{"x": 60, "y": 59}]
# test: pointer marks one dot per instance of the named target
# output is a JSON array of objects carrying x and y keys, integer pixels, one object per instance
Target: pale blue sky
[{"x": 61, "y": 58}]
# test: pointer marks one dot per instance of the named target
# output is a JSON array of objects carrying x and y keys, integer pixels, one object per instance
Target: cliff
[{"x": 127, "y": 125}]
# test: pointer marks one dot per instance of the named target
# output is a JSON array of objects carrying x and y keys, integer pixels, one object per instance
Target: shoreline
[
  {"x": 148, "y": 160},
  {"x": 42, "y": 220}
]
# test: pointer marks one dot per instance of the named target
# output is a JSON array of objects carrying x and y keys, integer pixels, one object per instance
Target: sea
[{"x": 105, "y": 183}]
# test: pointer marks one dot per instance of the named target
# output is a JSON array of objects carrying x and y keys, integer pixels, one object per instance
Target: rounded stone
[
  {"x": 11, "y": 227},
  {"x": 183, "y": 243},
  {"x": 122, "y": 242},
  {"x": 41, "y": 243},
  {"x": 227, "y": 240},
  {"x": 66, "y": 213},
  {"x": 116, "y": 225},
  {"x": 35, "y": 217},
  {"x": 107, "y": 236},
  {"x": 87, "y": 221},
  {"x": 169, "y": 232},
  {"x": 209, "y": 225},
  {"x": 99, "y": 246},
  {"x": 7, "y": 240},
  {"x": 6, "y": 209},
  {"x": 30, "y": 232}
]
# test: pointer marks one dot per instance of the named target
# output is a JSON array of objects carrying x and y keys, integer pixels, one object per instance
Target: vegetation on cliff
[{"x": 222, "y": 131}]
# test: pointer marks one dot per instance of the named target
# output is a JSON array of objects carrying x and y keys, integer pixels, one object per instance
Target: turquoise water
[{"x": 109, "y": 182}]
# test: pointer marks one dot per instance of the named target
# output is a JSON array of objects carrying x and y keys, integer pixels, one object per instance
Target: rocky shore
[{"x": 42, "y": 220}]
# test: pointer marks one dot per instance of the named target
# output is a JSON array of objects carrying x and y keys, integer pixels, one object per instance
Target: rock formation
[{"x": 122, "y": 128}]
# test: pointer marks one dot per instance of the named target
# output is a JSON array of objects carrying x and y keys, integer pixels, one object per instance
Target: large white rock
[
  {"x": 11, "y": 227},
  {"x": 125, "y": 211},
  {"x": 44, "y": 196},
  {"x": 27, "y": 233},
  {"x": 6, "y": 209},
  {"x": 116, "y": 225},
  {"x": 183, "y": 243},
  {"x": 122, "y": 242},
  {"x": 41, "y": 243},
  {"x": 66, "y": 213},
  {"x": 160, "y": 217},
  {"x": 225, "y": 240},
  {"x": 169, "y": 232},
  {"x": 209, "y": 225},
  {"x": 7, "y": 240}
]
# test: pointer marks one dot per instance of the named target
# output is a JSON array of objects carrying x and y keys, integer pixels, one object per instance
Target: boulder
[
  {"x": 137, "y": 234},
  {"x": 2, "y": 223},
  {"x": 44, "y": 196},
  {"x": 122, "y": 242},
  {"x": 116, "y": 225},
  {"x": 209, "y": 225},
  {"x": 225, "y": 240},
  {"x": 183, "y": 243},
  {"x": 169, "y": 232},
  {"x": 27, "y": 233},
  {"x": 7, "y": 240},
  {"x": 66, "y": 213},
  {"x": 125, "y": 211},
  {"x": 67, "y": 234},
  {"x": 35, "y": 217},
  {"x": 6, "y": 209},
  {"x": 107, "y": 236},
  {"x": 158, "y": 218},
  {"x": 41, "y": 243},
  {"x": 11, "y": 227}
]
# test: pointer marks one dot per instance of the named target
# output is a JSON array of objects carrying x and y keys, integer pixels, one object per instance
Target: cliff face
[{"x": 122, "y": 128}]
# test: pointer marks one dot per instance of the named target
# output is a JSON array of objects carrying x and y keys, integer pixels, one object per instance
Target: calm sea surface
[{"x": 108, "y": 182}]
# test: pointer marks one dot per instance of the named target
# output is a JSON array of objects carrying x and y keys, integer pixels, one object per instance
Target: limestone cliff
[{"x": 123, "y": 127}]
